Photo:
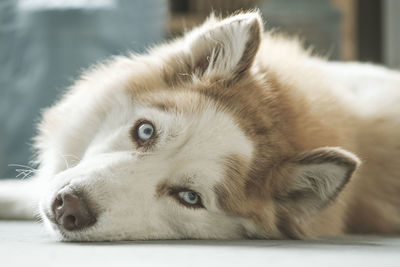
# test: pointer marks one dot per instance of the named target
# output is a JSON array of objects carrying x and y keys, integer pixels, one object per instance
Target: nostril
[
  {"x": 57, "y": 206},
  {"x": 71, "y": 219},
  {"x": 70, "y": 222},
  {"x": 58, "y": 202}
]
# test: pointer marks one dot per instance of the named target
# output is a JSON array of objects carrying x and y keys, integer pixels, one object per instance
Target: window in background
[
  {"x": 44, "y": 44},
  {"x": 327, "y": 25}
]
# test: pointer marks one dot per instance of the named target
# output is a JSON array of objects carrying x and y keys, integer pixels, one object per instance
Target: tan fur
[{"x": 287, "y": 107}]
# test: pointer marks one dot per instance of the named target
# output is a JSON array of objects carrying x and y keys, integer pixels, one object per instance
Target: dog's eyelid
[
  {"x": 174, "y": 192},
  {"x": 135, "y": 137}
]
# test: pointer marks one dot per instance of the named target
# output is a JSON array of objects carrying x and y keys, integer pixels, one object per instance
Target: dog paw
[{"x": 16, "y": 201}]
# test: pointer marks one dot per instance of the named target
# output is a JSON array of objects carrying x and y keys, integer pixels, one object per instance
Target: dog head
[{"x": 195, "y": 139}]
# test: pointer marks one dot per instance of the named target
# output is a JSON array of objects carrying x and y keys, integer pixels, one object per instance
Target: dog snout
[{"x": 71, "y": 210}]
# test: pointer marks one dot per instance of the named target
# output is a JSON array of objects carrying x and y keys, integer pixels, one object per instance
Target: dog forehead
[
  {"x": 213, "y": 135},
  {"x": 197, "y": 126}
]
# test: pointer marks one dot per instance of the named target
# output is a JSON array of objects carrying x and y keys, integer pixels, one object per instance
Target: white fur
[
  {"x": 370, "y": 87},
  {"x": 223, "y": 43},
  {"x": 123, "y": 182},
  {"x": 85, "y": 142}
]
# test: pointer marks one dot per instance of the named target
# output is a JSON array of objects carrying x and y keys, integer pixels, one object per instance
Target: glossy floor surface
[{"x": 27, "y": 244}]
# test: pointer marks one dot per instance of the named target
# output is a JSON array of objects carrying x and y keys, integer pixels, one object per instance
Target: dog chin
[
  {"x": 85, "y": 235},
  {"x": 64, "y": 236},
  {"x": 53, "y": 230}
]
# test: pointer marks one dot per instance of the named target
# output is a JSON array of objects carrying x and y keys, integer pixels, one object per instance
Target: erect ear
[
  {"x": 225, "y": 48},
  {"x": 313, "y": 179}
]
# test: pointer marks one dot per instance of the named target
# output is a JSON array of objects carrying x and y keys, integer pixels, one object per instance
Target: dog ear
[
  {"x": 225, "y": 48},
  {"x": 313, "y": 179}
]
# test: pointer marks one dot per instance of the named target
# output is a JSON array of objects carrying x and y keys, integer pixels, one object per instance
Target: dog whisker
[
  {"x": 21, "y": 166},
  {"x": 23, "y": 170}
]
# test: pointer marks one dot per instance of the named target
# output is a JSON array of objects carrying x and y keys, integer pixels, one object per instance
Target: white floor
[{"x": 27, "y": 244}]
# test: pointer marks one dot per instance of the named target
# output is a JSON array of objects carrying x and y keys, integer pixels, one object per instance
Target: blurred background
[{"x": 45, "y": 44}]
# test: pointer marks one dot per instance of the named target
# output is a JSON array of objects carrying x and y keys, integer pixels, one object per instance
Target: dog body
[{"x": 224, "y": 133}]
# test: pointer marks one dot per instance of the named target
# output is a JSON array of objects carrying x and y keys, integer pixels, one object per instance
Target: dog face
[
  {"x": 143, "y": 189},
  {"x": 189, "y": 141}
]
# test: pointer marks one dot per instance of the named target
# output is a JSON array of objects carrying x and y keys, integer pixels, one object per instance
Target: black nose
[{"x": 71, "y": 210}]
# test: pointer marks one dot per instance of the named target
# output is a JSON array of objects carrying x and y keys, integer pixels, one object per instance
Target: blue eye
[
  {"x": 145, "y": 131},
  {"x": 190, "y": 197}
]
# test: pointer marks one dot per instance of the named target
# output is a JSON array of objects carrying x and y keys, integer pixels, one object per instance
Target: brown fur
[{"x": 285, "y": 109}]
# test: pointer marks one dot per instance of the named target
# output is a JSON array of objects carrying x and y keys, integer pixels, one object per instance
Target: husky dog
[{"x": 225, "y": 133}]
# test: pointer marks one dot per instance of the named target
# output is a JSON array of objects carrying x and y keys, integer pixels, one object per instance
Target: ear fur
[
  {"x": 315, "y": 178},
  {"x": 224, "y": 48}
]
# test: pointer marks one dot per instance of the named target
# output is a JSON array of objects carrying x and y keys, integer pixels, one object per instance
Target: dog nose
[{"x": 71, "y": 211}]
